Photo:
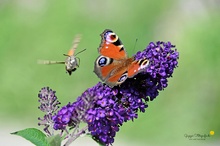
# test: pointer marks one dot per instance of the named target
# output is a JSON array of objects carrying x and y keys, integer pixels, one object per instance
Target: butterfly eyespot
[
  {"x": 144, "y": 63},
  {"x": 123, "y": 78},
  {"x": 103, "y": 61},
  {"x": 111, "y": 37}
]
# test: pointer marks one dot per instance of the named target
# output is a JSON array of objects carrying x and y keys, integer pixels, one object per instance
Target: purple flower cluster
[
  {"x": 105, "y": 109},
  {"x": 48, "y": 105},
  {"x": 163, "y": 59},
  {"x": 72, "y": 114}
]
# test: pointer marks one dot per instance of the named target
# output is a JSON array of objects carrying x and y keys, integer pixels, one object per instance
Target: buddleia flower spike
[
  {"x": 105, "y": 109},
  {"x": 49, "y": 105}
]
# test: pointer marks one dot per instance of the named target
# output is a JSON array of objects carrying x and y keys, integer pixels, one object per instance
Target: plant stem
[{"x": 75, "y": 136}]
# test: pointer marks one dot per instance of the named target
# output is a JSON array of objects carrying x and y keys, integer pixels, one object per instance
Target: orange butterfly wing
[
  {"x": 113, "y": 66},
  {"x": 111, "y": 46},
  {"x": 71, "y": 52},
  {"x": 112, "y": 52},
  {"x": 127, "y": 69},
  {"x": 117, "y": 78},
  {"x": 75, "y": 45},
  {"x": 137, "y": 66},
  {"x": 104, "y": 72}
]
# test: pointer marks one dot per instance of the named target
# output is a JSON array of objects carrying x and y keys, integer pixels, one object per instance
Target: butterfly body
[
  {"x": 71, "y": 62},
  {"x": 113, "y": 66}
]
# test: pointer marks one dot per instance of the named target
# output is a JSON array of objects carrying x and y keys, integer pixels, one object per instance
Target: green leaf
[
  {"x": 54, "y": 140},
  {"x": 33, "y": 135}
]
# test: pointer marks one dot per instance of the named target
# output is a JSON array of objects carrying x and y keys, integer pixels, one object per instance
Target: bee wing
[
  {"x": 50, "y": 62},
  {"x": 75, "y": 45}
]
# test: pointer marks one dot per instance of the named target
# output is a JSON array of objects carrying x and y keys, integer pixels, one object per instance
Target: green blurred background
[{"x": 40, "y": 29}]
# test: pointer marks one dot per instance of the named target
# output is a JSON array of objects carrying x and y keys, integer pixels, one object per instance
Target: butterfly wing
[
  {"x": 113, "y": 66},
  {"x": 112, "y": 73},
  {"x": 137, "y": 66},
  {"x": 126, "y": 69},
  {"x": 117, "y": 78},
  {"x": 116, "y": 72},
  {"x": 111, "y": 46},
  {"x": 75, "y": 45},
  {"x": 108, "y": 65}
]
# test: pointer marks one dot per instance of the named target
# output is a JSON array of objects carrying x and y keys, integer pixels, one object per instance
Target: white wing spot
[{"x": 143, "y": 66}]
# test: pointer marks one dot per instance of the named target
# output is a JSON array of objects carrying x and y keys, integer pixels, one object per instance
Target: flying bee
[{"x": 71, "y": 62}]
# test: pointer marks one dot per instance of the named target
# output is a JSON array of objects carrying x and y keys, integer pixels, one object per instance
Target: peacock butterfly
[{"x": 113, "y": 66}]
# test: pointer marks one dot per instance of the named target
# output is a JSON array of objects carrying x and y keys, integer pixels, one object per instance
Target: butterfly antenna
[
  {"x": 135, "y": 44},
  {"x": 65, "y": 55},
  {"x": 80, "y": 51}
]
